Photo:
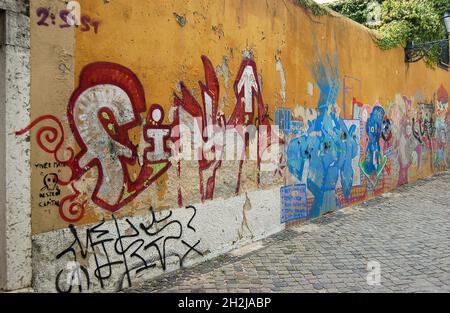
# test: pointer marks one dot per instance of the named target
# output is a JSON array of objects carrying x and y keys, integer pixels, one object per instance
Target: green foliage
[
  {"x": 357, "y": 10},
  {"x": 400, "y": 21},
  {"x": 313, "y": 7}
]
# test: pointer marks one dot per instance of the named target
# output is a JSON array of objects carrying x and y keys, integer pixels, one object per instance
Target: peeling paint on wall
[
  {"x": 222, "y": 70},
  {"x": 280, "y": 70}
]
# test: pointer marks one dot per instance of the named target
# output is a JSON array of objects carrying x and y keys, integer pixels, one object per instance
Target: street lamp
[
  {"x": 416, "y": 52},
  {"x": 446, "y": 20}
]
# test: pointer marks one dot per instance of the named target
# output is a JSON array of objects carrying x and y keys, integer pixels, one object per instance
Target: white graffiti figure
[
  {"x": 248, "y": 82},
  {"x": 111, "y": 104}
]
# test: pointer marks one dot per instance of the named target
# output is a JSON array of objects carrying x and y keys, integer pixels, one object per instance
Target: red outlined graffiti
[
  {"x": 50, "y": 139},
  {"x": 206, "y": 120},
  {"x": 101, "y": 111},
  {"x": 107, "y": 105},
  {"x": 113, "y": 95},
  {"x": 248, "y": 94},
  {"x": 74, "y": 210},
  {"x": 249, "y": 110}
]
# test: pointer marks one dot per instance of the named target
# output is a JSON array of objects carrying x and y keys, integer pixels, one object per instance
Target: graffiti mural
[
  {"x": 252, "y": 112},
  {"x": 107, "y": 107},
  {"x": 101, "y": 112},
  {"x": 341, "y": 161}
]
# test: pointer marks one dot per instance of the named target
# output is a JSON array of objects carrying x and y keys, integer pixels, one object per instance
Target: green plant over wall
[
  {"x": 399, "y": 20},
  {"x": 357, "y": 10},
  {"x": 315, "y": 8}
]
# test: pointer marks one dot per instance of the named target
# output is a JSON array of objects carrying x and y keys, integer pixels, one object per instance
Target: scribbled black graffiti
[
  {"x": 49, "y": 165},
  {"x": 423, "y": 124},
  {"x": 138, "y": 248}
]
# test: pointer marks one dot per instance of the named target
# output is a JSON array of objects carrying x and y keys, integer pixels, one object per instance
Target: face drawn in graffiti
[
  {"x": 441, "y": 111},
  {"x": 50, "y": 182}
]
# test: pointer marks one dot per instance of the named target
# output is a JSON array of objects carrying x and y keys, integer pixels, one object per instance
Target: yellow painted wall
[{"x": 144, "y": 36}]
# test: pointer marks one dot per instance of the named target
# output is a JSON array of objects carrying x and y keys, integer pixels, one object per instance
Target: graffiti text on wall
[
  {"x": 64, "y": 19},
  {"x": 127, "y": 249}
]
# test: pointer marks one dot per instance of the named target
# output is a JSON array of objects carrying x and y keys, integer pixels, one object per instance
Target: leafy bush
[{"x": 400, "y": 21}]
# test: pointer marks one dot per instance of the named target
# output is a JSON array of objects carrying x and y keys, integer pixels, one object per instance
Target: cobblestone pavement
[{"x": 406, "y": 231}]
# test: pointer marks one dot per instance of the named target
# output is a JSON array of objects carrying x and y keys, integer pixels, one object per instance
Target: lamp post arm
[
  {"x": 430, "y": 44},
  {"x": 416, "y": 52}
]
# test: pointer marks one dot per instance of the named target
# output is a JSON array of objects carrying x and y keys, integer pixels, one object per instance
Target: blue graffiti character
[
  {"x": 329, "y": 147},
  {"x": 349, "y": 152},
  {"x": 374, "y": 162}
]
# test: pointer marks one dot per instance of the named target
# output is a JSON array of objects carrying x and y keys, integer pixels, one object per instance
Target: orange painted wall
[{"x": 145, "y": 37}]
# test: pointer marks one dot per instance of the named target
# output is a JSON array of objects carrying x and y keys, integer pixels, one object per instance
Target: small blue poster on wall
[{"x": 294, "y": 204}]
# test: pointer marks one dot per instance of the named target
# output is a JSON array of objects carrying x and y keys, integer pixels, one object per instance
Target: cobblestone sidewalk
[{"x": 407, "y": 232}]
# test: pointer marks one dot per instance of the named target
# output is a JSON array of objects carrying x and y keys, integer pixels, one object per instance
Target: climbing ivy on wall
[{"x": 399, "y": 20}]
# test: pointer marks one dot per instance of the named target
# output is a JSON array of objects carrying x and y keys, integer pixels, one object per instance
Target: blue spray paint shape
[
  {"x": 329, "y": 146},
  {"x": 297, "y": 153},
  {"x": 374, "y": 162},
  {"x": 350, "y": 149}
]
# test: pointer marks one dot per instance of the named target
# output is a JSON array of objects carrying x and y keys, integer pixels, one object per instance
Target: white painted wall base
[{"x": 217, "y": 227}]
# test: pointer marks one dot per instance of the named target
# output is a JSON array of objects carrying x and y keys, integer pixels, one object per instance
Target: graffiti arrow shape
[{"x": 248, "y": 82}]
